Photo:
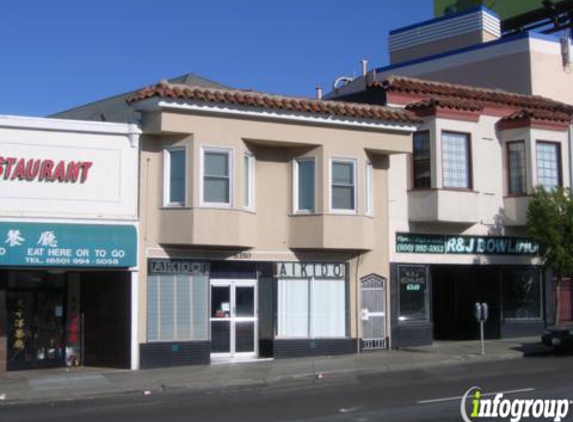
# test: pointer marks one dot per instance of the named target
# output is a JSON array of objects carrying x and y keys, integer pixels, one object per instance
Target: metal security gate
[{"x": 373, "y": 314}]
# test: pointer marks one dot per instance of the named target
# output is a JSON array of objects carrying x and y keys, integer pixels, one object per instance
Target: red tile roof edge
[
  {"x": 450, "y": 103},
  {"x": 464, "y": 92},
  {"x": 543, "y": 115},
  {"x": 271, "y": 101}
]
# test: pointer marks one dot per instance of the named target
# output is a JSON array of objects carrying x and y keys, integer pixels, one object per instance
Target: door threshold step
[{"x": 228, "y": 361}]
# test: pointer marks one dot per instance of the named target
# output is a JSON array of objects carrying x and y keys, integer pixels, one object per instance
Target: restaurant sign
[
  {"x": 478, "y": 245},
  {"x": 67, "y": 245}
]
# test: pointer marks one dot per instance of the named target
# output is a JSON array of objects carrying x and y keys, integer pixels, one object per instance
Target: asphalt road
[{"x": 417, "y": 395}]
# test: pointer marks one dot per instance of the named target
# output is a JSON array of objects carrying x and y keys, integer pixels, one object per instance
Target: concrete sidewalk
[{"x": 68, "y": 384}]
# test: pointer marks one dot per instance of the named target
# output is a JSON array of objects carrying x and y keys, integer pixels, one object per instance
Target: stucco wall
[
  {"x": 489, "y": 164},
  {"x": 269, "y": 232}
]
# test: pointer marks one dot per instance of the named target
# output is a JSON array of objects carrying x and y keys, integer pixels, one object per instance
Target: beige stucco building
[
  {"x": 458, "y": 205},
  {"x": 260, "y": 217}
]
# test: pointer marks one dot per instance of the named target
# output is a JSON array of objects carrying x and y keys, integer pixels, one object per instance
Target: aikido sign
[{"x": 310, "y": 270}]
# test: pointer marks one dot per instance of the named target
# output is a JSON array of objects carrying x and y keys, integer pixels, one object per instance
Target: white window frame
[
  {"x": 369, "y": 189},
  {"x": 167, "y": 176},
  {"x": 352, "y": 161},
  {"x": 250, "y": 184},
  {"x": 230, "y": 153},
  {"x": 310, "y": 326},
  {"x": 295, "y": 180}
]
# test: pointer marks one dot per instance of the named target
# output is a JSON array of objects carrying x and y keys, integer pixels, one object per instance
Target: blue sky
[{"x": 57, "y": 54}]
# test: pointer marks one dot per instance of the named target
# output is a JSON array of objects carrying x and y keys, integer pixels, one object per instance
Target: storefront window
[
  {"x": 521, "y": 295},
  {"x": 413, "y": 291},
  {"x": 177, "y": 307},
  {"x": 35, "y": 311},
  {"x": 311, "y": 308}
]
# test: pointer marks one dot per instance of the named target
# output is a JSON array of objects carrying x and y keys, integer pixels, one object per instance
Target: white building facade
[{"x": 68, "y": 243}]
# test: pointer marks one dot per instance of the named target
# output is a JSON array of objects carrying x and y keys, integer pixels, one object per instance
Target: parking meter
[
  {"x": 478, "y": 311},
  {"x": 485, "y": 311},
  {"x": 481, "y": 312}
]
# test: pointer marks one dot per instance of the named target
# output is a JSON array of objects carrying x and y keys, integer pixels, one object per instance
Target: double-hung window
[
  {"x": 343, "y": 185},
  {"x": 217, "y": 177},
  {"x": 516, "y": 169},
  {"x": 369, "y": 190},
  {"x": 548, "y": 164},
  {"x": 422, "y": 160},
  {"x": 174, "y": 176},
  {"x": 456, "y": 165},
  {"x": 249, "y": 181},
  {"x": 304, "y": 185}
]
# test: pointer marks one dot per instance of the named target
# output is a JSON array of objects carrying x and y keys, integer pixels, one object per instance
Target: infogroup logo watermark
[{"x": 474, "y": 406}]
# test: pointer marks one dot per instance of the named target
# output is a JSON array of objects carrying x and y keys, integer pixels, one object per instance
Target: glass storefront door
[
  {"x": 35, "y": 311},
  {"x": 233, "y": 318}
]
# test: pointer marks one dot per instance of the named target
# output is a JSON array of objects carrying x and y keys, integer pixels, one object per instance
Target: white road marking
[{"x": 523, "y": 390}]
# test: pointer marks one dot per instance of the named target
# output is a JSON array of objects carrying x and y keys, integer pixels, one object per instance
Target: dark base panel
[
  {"x": 322, "y": 347},
  {"x": 266, "y": 348},
  {"x": 514, "y": 329},
  {"x": 412, "y": 335},
  {"x": 162, "y": 355}
]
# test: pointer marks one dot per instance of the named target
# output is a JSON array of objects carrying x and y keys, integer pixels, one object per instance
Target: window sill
[
  {"x": 216, "y": 206},
  {"x": 304, "y": 214},
  {"x": 467, "y": 190},
  {"x": 343, "y": 212},
  {"x": 421, "y": 189},
  {"x": 175, "y": 207}
]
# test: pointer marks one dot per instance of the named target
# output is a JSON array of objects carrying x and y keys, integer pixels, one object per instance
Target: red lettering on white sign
[{"x": 44, "y": 170}]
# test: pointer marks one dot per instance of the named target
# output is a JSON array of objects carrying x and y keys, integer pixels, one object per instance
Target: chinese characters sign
[
  {"x": 446, "y": 244},
  {"x": 67, "y": 245}
]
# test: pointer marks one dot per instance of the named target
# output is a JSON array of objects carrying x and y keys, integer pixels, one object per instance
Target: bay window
[
  {"x": 369, "y": 189},
  {"x": 456, "y": 165},
  {"x": 548, "y": 164},
  {"x": 174, "y": 163},
  {"x": 422, "y": 160},
  {"x": 516, "y": 168},
  {"x": 249, "y": 181},
  {"x": 343, "y": 185},
  {"x": 304, "y": 185},
  {"x": 216, "y": 177}
]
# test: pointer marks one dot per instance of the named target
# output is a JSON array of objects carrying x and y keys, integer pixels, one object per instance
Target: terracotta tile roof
[
  {"x": 451, "y": 103},
  {"x": 540, "y": 115},
  {"x": 277, "y": 102},
  {"x": 485, "y": 96}
]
